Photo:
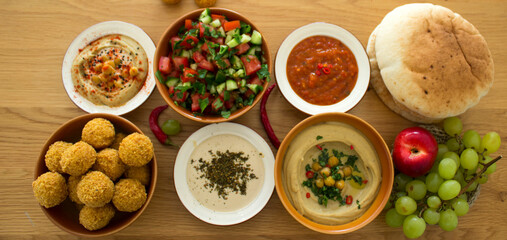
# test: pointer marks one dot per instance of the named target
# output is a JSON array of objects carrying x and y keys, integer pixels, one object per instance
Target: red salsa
[{"x": 322, "y": 70}]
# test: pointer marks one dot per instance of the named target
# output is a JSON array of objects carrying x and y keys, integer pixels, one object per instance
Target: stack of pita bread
[{"x": 428, "y": 63}]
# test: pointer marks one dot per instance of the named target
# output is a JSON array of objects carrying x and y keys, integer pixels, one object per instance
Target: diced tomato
[
  {"x": 173, "y": 41},
  {"x": 251, "y": 63},
  {"x": 226, "y": 61},
  {"x": 188, "y": 24},
  {"x": 230, "y": 102},
  {"x": 177, "y": 99},
  {"x": 189, "y": 42},
  {"x": 164, "y": 65},
  {"x": 205, "y": 47},
  {"x": 228, "y": 26},
  {"x": 170, "y": 90},
  {"x": 242, "y": 48},
  {"x": 256, "y": 80},
  {"x": 217, "y": 16},
  {"x": 201, "y": 29},
  {"x": 205, "y": 64},
  {"x": 195, "y": 103},
  {"x": 189, "y": 75},
  {"x": 219, "y": 40},
  {"x": 248, "y": 93},
  {"x": 198, "y": 57},
  {"x": 174, "y": 73},
  {"x": 214, "y": 104},
  {"x": 180, "y": 63}
]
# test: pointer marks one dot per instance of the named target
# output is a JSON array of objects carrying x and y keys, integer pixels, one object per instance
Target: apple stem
[{"x": 477, "y": 175}]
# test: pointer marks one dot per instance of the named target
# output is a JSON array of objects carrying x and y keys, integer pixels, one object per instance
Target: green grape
[
  {"x": 434, "y": 202},
  {"x": 449, "y": 189},
  {"x": 448, "y": 220},
  {"x": 491, "y": 169},
  {"x": 388, "y": 205},
  {"x": 416, "y": 189},
  {"x": 401, "y": 194},
  {"x": 453, "y": 126},
  {"x": 431, "y": 216},
  {"x": 482, "y": 179},
  {"x": 452, "y": 155},
  {"x": 459, "y": 175},
  {"x": 434, "y": 168},
  {"x": 447, "y": 168},
  {"x": 405, "y": 205},
  {"x": 460, "y": 206},
  {"x": 394, "y": 219},
  {"x": 453, "y": 144},
  {"x": 413, "y": 226},
  {"x": 490, "y": 143},
  {"x": 472, "y": 186},
  {"x": 472, "y": 139},
  {"x": 433, "y": 181},
  {"x": 463, "y": 196},
  {"x": 469, "y": 159},
  {"x": 171, "y": 127},
  {"x": 442, "y": 148},
  {"x": 401, "y": 180}
]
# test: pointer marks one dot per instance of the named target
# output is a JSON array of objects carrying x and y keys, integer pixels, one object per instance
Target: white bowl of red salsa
[
  {"x": 321, "y": 68},
  {"x": 212, "y": 65}
]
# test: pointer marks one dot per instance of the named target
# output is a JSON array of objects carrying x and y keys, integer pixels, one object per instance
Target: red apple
[{"x": 415, "y": 150}]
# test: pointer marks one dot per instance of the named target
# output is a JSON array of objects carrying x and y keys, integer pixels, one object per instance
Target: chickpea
[
  {"x": 133, "y": 71},
  {"x": 347, "y": 170},
  {"x": 340, "y": 184},
  {"x": 117, "y": 61},
  {"x": 329, "y": 181},
  {"x": 325, "y": 172},
  {"x": 107, "y": 69},
  {"x": 111, "y": 63},
  {"x": 102, "y": 77},
  {"x": 316, "y": 166},
  {"x": 319, "y": 182},
  {"x": 98, "y": 67},
  {"x": 333, "y": 161},
  {"x": 340, "y": 172},
  {"x": 96, "y": 80}
]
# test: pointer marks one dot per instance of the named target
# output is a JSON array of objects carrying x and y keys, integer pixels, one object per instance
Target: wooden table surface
[{"x": 35, "y": 35}]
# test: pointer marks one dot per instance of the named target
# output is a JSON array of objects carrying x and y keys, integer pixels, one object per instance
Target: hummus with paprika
[
  {"x": 110, "y": 70},
  {"x": 310, "y": 152}
]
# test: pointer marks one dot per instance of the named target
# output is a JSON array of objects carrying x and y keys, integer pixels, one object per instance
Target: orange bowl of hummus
[{"x": 334, "y": 173}]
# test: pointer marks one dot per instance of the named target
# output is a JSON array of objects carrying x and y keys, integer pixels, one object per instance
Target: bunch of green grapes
[{"x": 440, "y": 196}]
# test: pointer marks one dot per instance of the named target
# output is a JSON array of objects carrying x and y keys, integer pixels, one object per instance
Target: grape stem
[
  {"x": 486, "y": 166},
  {"x": 422, "y": 210}
]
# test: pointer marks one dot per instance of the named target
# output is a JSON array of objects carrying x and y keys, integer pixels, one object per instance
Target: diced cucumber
[
  {"x": 186, "y": 84},
  {"x": 230, "y": 72},
  {"x": 242, "y": 89},
  {"x": 212, "y": 89},
  {"x": 205, "y": 16},
  {"x": 231, "y": 85},
  {"x": 221, "y": 31},
  {"x": 255, "y": 88},
  {"x": 233, "y": 32},
  {"x": 220, "y": 88},
  {"x": 193, "y": 66},
  {"x": 233, "y": 43},
  {"x": 223, "y": 50},
  {"x": 216, "y": 23},
  {"x": 228, "y": 38},
  {"x": 172, "y": 81},
  {"x": 220, "y": 77},
  {"x": 186, "y": 53},
  {"x": 210, "y": 77},
  {"x": 256, "y": 37},
  {"x": 245, "y": 38},
  {"x": 242, "y": 83},
  {"x": 236, "y": 62},
  {"x": 251, "y": 51},
  {"x": 240, "y": 73}
]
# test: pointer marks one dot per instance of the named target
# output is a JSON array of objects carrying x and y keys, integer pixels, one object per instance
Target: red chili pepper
[
  {"x": 307, "y": 195},
  {"x": 365, "y": 181},
  {"x": 351, "y": 147},
  {"x": 309, "y": 174},
  {"x": 265, "y": 120},
  {"x": 155, "y": 128},
  {"x": 327, "y": 165},
  {"x": 329, "y": 66},
  {"x": 317, "y": 72},
  {"x": 348, "y": 201},
  {"x": 319, "y": 66},
  {"x": 319, "y": 147},
  {"x": 326, "y": 70}
]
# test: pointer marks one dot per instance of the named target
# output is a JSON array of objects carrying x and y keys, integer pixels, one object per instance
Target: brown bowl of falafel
[{"x": 95, "y": 175}]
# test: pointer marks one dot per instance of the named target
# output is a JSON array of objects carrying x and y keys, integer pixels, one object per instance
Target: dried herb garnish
[{"x": 226, "y": 172}]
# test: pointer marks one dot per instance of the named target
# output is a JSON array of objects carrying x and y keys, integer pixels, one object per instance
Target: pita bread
[
  {"x": 380, "y": 88},
  {"x": 434, "y": 64}
]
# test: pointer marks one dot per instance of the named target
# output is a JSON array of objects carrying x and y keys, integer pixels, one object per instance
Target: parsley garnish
[
  {"x": 320, "y": 137},
  {"x": 225, "y": 114},
  {"x": 203, "y": 103},
  {"x": 263, "y": 73}
]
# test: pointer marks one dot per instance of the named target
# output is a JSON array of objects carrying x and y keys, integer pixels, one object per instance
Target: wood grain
[{"x": 35, "y": 35}]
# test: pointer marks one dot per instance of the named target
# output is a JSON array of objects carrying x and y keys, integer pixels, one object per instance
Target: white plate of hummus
[
  {"x": 224, "y": 173},
  {"x": 107, "y": 68}
]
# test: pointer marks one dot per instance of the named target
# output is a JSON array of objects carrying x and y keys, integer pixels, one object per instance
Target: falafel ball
[
  {"x": 95, "y": 189},
  {"x": 54, "y": 154},
  {"x": 96, "y": 218},
  {"x": 50, "y": 189},
  {"x": 78, "y": 158},
  {"x": 117, "y": 140},
  {"x": 108, "y": 161},
  {"x": 129, "y": 195},
  {"x": 136, "y": 150},
  {"x": 98, "y": 132},
  {"x": 143, "y": 174},
  {"x": 72, "y": 187}
]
